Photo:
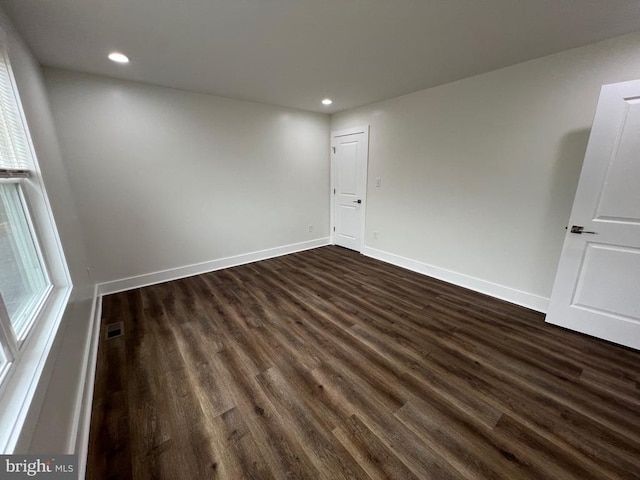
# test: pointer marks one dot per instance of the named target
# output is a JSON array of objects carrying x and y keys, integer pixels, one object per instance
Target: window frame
[{"x": 25, "y": 370}]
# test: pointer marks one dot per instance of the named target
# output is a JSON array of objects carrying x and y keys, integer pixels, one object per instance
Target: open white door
[
  {"x": 350, "y": 151},
  {"x": 597, "y": 286}
]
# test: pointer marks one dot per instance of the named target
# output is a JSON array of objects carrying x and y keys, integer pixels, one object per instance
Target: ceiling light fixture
[
  {"x": 118, "y": 57},
  {"x": 327, "y": 101}
]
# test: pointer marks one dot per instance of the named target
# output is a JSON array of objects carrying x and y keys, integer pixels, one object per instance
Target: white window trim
[{"x": 23, "y": 376}]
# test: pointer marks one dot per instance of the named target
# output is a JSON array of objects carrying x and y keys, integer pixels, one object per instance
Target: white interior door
[
  {"x": 350, "y": 151},
  {"x": 597, "y": 286}
]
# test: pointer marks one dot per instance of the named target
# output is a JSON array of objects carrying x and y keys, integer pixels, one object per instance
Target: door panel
[
  {"x": 620, "y": 198},
  {"x": 348, "y": 219},
  {"x": 348, "y": 168},
  {"x": 597, "y": 286},
  {"x": 349, "y": 165},
  {"x": 615, "y": 267}
]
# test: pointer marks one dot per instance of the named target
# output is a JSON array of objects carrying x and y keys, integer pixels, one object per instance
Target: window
[
  {"x": 24, "y": 282},
  {"x": 34, "y": 280}
]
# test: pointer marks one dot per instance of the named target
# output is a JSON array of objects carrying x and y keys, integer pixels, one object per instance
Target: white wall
[
  {"x": 167, "y": 178},
  {"x": 49, "y": 426},
  {"x": 478, "y": 176}
]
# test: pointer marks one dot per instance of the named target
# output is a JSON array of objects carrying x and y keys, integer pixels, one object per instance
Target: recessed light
[
  {"x": 327, "y": 101},
  {"x": 118, "y": 57}
]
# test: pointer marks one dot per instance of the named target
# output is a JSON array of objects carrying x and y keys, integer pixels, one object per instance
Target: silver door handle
[
  {"x": 357, "y": 201},
  {"x": 580, "y": 230}
]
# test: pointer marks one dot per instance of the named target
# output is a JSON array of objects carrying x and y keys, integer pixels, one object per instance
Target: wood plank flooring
[{"x": 326, "y": 364}]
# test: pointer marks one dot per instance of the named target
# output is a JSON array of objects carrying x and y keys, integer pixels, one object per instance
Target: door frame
[{"x": 343, "y": 133}]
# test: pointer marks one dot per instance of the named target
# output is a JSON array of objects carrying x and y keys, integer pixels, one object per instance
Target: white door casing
[
  {"x": 597, "y": 285},
  {"x": 349, "y": 158}
]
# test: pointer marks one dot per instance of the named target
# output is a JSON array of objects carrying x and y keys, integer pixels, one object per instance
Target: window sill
[{"x": 24, "y": 375}]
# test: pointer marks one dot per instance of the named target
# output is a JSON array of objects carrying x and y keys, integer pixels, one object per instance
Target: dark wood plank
[
  {"x": 328, "y": 364},
  {"x": 370, "y": 452}
]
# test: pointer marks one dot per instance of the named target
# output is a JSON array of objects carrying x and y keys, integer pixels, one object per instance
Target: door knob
[
  {"x": 357, "y": 201},
  {"x": 580, "y": 230}
]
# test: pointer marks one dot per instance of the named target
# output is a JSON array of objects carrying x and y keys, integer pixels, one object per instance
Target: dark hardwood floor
[{"x": 327, "y": 365}]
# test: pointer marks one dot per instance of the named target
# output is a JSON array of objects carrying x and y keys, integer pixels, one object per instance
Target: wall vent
[{"x": 114, "y": 330}]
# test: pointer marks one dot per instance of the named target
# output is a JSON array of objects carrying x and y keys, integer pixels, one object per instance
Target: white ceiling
[{"x": 296, "y": 52}]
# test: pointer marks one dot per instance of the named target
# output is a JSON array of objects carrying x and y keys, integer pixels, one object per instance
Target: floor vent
[{"x": 114, "y": 330}]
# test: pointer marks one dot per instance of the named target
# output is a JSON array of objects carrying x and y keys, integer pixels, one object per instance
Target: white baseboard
[
  {"x": 145, "y": 280},
  {"x": 528, "y": 300},
  {"x": 84, "y": 403}
]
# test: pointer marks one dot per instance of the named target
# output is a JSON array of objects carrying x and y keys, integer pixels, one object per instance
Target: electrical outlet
[
  {"x": 375, "y": 235},
  {"x": 310, "y": 228}
]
